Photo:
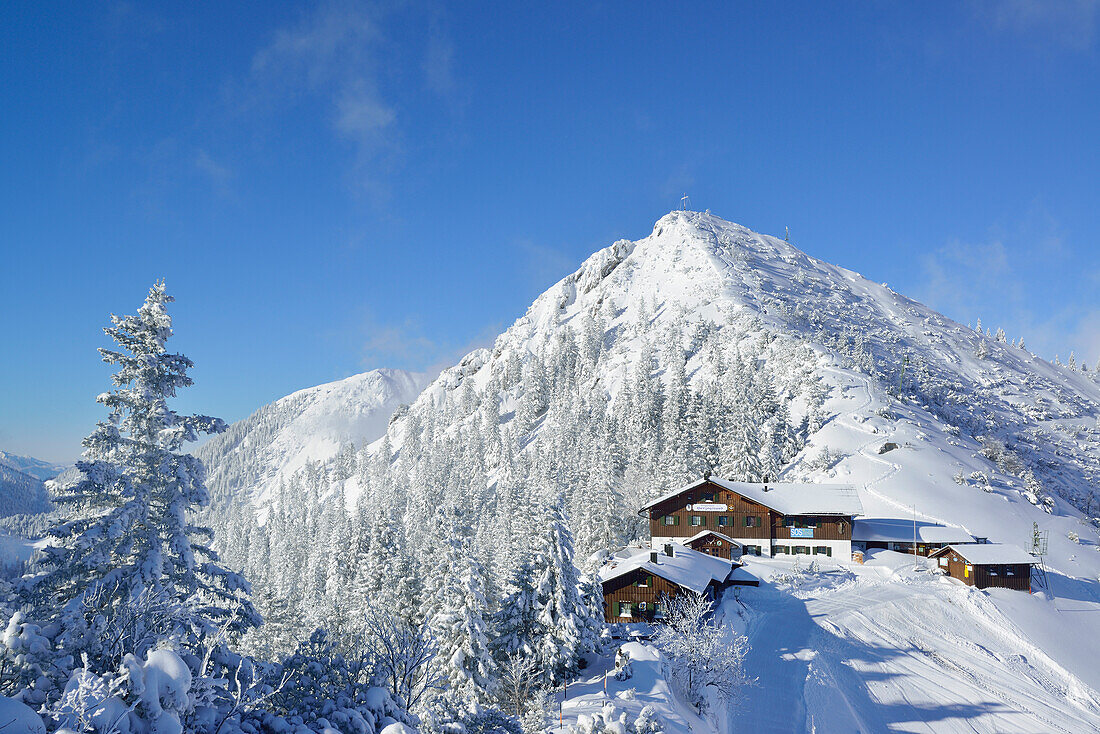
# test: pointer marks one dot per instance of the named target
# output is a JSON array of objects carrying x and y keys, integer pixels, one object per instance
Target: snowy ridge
[
  {"x": 21, "y": 494},
  {"x": 1047, "y": 416},
  {"x": 37, "y": 468},
  {"x": 311, "y": 425}
]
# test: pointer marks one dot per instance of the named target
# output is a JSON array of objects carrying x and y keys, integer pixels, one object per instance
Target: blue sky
[{"x": 335, "y": 187}]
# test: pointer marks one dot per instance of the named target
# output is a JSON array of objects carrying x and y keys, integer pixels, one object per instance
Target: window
[
  {"x": 792, "y": 522},
  {"x": 781, "y": 550},
  {"x": 755, "y": 549},
  {"x": 696, "y": 521},
  {"x": 626, "y": 609},
  {"x": 803, "y": 549},
  {"x": 752, "y": 521},
  {"x": 823, "y": 550},
  {"x": 644, "y": 581},
  {"x": 670, "y": 520},
  {"x": 723, "y": 521},
  {"x": 943, "y": 561},
  {"x": 708, "y": 497}
]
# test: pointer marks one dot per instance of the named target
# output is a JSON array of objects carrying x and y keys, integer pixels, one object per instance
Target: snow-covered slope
[
  {"x": 992, "y": 438},
  {"x": 36, "y": 468},
  {"x": 310, "y": 425},
  {"x": 21, "y": 494},
  {"x": 708, "y": 347}
]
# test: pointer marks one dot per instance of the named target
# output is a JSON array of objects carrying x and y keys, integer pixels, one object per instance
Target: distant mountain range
[{"x": 36, "y": 468}]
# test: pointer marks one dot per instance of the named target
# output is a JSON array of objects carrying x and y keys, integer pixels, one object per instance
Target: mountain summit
[{"x": 706, "y": 346}]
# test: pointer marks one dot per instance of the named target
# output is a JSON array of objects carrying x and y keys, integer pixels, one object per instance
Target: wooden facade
[
  {"x": 1015, "y": 576},
  {"x": 635, "y": 596},
  {"x": 743, "y": 519},
  {"x": 714, "y": 545}
]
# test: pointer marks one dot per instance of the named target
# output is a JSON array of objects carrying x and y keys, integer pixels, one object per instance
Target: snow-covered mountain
[
  {"x": 36, "y": 468},
  {"x": 310, "y": 425},
  {"x": 21, "y": 494},
  {"x": 708, "y": 347},
  {"x": 991, "y": 437}
]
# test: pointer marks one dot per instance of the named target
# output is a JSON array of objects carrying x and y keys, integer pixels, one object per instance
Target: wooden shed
[
  {"x": 987, "y": 565},
  {"x": 636, "y": 581}
]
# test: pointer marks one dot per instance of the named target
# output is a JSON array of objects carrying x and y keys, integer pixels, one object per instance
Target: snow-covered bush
[
  {"x": 318, "y": 687},
  {"x": 25, "y": 657},
  {"x": 450, "y": 714},
  {"x": 700, "y": 654},
  {"x": 18, "y": 718},
  {"x": 610, "y": 720},
  {"x": 623, "y": 669},
  {"x": 151, "y": 695}
]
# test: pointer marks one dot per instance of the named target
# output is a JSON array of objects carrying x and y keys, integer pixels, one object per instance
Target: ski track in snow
[
  {"x": 864, "y": 449},
  {"x": 910, "y": 652}
]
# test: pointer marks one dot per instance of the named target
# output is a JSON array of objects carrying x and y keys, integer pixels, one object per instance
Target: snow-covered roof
[
  {"x": 984, "y": 554},
  {"x": 692, "y": 539},
  {"x": 743, "y": 577},
  {"x": 786, "y": 498},
  {"x": 685, "y": 567},
  {"x": 897, "y": 530}
]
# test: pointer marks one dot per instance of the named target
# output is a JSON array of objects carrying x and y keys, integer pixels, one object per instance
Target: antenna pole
[{"x": 914, "y": 537}]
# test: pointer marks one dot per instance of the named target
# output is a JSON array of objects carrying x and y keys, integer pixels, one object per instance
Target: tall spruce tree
[
  {"x": 126, "y": 536},
  {"x": 563, "y": 616}
]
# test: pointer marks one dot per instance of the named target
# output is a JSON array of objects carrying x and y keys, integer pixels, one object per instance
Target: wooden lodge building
[
  {"x": 760, "y": 518},
  {"x": 636, "y": 580},
  {"x": 987, "y": 564}
]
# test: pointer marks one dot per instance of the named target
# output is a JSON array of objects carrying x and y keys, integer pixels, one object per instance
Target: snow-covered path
[
  {"x": 900, "y": 652},
  {"x": 779, "y": 656}
]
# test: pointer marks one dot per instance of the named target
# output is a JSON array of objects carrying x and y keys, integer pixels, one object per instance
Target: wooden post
[{"x": 914, "y": 537}]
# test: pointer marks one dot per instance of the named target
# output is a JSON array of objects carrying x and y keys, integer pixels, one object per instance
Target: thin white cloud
[
  {"x": 1068, "y": 23},
  {"x": 218, "y": 173},
  {"x": 1085, "y": 340},
  {"x": 333, "y": 56},
  {"x": 545, "y": 265},
  {"x": 406, "y": 345},
  {"x": 438, "y": 62}
]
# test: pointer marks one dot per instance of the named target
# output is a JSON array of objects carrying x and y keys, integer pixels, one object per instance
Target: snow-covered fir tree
[{"x": 127, "y": 532}]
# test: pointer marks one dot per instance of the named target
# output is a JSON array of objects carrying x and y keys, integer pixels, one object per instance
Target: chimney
[
  {"x": 766, "y": 478},
  {"x": 653, "y": 557},
  {"x": 668, "y": 549},
  {"x": 706, "y": 474}
]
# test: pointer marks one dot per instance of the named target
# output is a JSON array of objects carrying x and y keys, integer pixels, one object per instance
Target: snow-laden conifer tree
[
  {"x": 459, "y": 626},
  {"x": 126, "y": 535},
  {"x": 515, "y": 624},
  {"x": 565, "y": 632}
]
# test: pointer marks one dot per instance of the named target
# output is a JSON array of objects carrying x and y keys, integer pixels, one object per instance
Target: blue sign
[{"x": 802, "y": 532}]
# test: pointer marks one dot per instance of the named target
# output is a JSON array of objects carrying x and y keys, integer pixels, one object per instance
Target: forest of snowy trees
[
  {"x": 445, "y": 574},
  {"x": 465, "y": 517},
  {"x": 129, "y": 621}
]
